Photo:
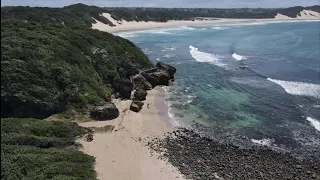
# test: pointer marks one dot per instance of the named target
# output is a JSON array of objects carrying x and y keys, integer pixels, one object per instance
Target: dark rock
[
  {"x": 140, "y": 82},
  {"x": 89, "y": 137},
  {"x": 163, "y": 77},
  {"x": 123, "y": 86},
  {"x": 243, "y": 67},
  {"x": 170, "y": 69},
  {"x": 136, "y": 106},
  {"x": 106, "y": 112},
  {"x": 152, "y": 79},
  {"x": 126, "y": 70},
  {"x": 16, "y": 106},
  {"x": 139, "y": 94}
]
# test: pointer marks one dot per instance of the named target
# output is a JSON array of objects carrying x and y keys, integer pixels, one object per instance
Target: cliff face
[{"x": 47, "y": 68}]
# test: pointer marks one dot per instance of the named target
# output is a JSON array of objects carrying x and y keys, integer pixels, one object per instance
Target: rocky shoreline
[
  {"x": 201, "y": 158},
  {"x": 133, "y": 84}
]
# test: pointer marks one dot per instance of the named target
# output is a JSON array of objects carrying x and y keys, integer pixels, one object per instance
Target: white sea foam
[
  {"x": 314, "y": 122},
  {"x": 263, "y": 142},
  {"x": 219, "y": 28},
  {"x": 126, "y": 35},
  {"x": 169, "y": 49},
  {"x": 299, "y": 88},
  {"x": 238, "y": 57},
  {"x": 158, "y": 59},
  {"x": 169, "y": 56},
  {"x": 201, "y": 29},
  {"x": 187, "y": 28},
  {"x": 253, "y": 23},
  {"x": 190, "y": 99},
  {"x": 204, "y": 57},
  {"x": 160, "y": 32}
]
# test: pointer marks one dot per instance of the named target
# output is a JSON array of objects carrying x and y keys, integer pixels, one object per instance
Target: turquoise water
[{"x": 274, "y": 101}]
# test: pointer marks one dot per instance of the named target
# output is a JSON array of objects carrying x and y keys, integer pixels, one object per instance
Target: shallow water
[{"x": 275, "y": 101}]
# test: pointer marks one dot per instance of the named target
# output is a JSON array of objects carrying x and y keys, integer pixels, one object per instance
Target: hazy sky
[{"x": 165, "y": 3}]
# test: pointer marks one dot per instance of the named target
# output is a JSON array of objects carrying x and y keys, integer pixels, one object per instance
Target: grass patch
[
  {"x": 38, "y": 149},
  {"x": 107, "y": 128}
]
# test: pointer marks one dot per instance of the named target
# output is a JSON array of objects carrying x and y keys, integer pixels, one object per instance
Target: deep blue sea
[{"x": 274, "y": 101}]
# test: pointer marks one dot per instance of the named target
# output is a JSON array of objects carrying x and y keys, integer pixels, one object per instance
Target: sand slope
[{"x": 120, "y": 155}]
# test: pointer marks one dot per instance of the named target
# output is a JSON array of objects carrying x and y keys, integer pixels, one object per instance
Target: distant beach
[{"x": 121, "y": 26}]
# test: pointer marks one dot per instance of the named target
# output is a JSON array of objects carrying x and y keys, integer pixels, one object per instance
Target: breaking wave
[
  {"x": 238, "y": 57},
  {"x": 314, "y": 123},
  {"x": 204, "y": 57},
  {"x": 263, "y": 142},
  {"x": 299, "y": 88}
]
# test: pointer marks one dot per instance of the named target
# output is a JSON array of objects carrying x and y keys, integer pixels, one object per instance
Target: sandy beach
[
  {"x": 121, "y": 26},
  {"x": 122, "y": 154}
]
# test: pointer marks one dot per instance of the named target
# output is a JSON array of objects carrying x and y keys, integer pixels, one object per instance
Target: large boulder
[
  {"x": 106, "y": 112},
  {"x": 163, "y": 77},
  {"x": 139, "y": 94},
  {"x": 123, "y": 86},
  {"x": 136, "y": 106},
  {"x": 152, "y": 79},
  {"x": 126, "y": 69},
  {"x": 140, "y": 82},
  {"x": 170, "y": 69}
]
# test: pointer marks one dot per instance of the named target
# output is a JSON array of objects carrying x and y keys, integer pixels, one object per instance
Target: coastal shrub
[
  {"x": 38, "y": 149},
  {"x": 47, "y": 68}
]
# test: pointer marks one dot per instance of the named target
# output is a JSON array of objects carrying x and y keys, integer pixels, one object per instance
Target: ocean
[{"x": 249, "y": 84}]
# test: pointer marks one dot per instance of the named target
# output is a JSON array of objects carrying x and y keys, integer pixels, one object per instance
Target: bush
[{"x": 38, "y": 149}]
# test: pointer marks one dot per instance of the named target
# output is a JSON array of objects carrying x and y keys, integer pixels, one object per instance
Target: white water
[
  {"x": 263, "y": 142},
  {"x": 299, "y": 88},
  {"x": 314, "y": 123},
  {"x": 204, "y": 57},
  {"x": 219, "y": 28},
  {"x": 169, "y": 49},
  {"x": 238, "y": 57}
]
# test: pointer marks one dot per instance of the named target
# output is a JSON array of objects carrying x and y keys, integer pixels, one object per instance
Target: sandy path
[{"x": 120, "y": 155}]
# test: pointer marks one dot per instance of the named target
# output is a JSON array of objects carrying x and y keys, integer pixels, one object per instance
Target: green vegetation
[
  {"x": 82, "y": 15},
  {"x": 37, "y": 149},
  {"x": 107, "y": 128},
  {"x": 165, "y": 14},
  {"x": 52, "y": 67}
]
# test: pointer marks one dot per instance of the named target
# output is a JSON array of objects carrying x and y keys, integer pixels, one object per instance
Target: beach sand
[
  {"x": 122, "y": 154},
  {"x": 123, "y": 25}
]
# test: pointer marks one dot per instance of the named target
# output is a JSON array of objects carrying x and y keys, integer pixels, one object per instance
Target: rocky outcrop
[
  {"x": 136, "y": 106},
  {"x": 167, "y": 68},
  {"x": 152, "y": 79},
  {"x": 139, "y": 82},
  {"x": 139, "y": 94},
  {"x": 123, "y": 86},
  {"x": 162, "y": 77},
  {"x": 106, "y": 112}
]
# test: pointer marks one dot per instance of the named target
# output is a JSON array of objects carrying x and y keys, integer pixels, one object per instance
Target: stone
[
  {"x": 170, "y": 69},
  {"x": 89, "y": 137},
  {"x": 243, "y": 67},
  {"x": 140, "y": 82},
  {"x": 153, "y": 80},
  {"x": 106, "y": 112},
  {"x": 123, "y": 86},
  {"x": 163, "y": 77},
  {"x": 136, "y": 106},
  {"x": 139, "y": 94}
]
